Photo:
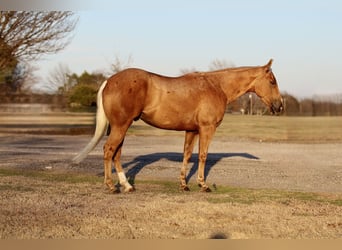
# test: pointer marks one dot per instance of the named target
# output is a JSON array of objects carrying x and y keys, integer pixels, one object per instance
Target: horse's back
[{"x": 177, "y": 103}]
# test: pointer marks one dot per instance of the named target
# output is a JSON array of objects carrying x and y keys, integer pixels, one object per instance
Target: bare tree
[
  {"x": 214, "y": 65},
  {"x": 26, "y": 35},
  {"x": 120, "y": 64},
  {"x": 59, "y": 79},
  {"x": 188, "y": 70},
  {"x": 220, "y": 64}
]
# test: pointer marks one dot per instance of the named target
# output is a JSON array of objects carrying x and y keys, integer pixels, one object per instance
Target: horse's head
[{"x": 266, "y": 87}]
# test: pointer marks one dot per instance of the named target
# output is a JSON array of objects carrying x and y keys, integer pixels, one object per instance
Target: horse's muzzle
[{"x": 277, "y": 107}]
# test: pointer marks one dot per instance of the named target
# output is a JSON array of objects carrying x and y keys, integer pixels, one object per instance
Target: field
[
  {"x": 267, "y": 128},
  {"x": 272, "y": 177}
]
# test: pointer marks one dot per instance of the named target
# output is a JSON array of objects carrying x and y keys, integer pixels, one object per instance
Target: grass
[
  {"x": 261, "y": 128},
  {"x": 16, "y": 188},
  {"x": 250, "y": 196},
  {"x": 47, "y": 176},
  {"x": 48, "y": 204},
  {"x": 221, "y": 194},
  {"x": 265, "y": 128}
]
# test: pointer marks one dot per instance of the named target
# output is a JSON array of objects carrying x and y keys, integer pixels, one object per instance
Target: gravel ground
[{"x": 242, "y": 163}]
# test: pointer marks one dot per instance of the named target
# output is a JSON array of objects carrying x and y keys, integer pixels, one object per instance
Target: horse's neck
[{"x": 235, "y": 83}]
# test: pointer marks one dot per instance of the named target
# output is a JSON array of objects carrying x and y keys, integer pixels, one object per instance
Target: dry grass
[
  {"x": 45, "y": 204},
  {"x": 261, "y": 128},
  {"x": 267, "y": 128}
]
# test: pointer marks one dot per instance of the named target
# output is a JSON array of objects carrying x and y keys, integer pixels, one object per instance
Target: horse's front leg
[
  {"x": 190, "y": 139},
  {"x": 205, "y": 135}
]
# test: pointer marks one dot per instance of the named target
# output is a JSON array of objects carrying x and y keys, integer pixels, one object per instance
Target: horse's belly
[
  {"x": 189, "y": 109},
  {"x": 170, "y": 120}
]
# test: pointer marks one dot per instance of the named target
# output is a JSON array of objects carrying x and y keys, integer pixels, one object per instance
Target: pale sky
[{"x": 303, "y": 37}]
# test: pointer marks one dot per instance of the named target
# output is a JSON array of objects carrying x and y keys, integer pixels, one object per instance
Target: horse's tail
[{"x": 101, "y": 126}]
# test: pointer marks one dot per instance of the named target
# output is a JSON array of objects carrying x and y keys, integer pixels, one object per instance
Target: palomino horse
[{"x": 194, "y": 103}]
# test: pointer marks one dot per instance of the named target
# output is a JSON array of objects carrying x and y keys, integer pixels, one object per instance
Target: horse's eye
[{"x": 273, "y": 81}]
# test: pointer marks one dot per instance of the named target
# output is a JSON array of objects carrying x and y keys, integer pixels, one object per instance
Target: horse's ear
[{"x": 269, "y": 65}]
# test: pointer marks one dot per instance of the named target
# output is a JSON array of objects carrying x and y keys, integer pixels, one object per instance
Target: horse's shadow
[{"x": 138, "y": 163}]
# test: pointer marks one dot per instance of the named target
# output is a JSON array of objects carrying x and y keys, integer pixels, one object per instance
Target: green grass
[
  {"x": 220, "y": 194},
  {"x": 228, "y": 194},
  {"x": 52, "y": 177},
  {"x": 16, "y": 188},
  {"x": 265, "y": 128},
  {"x": 249, "y": 196}
]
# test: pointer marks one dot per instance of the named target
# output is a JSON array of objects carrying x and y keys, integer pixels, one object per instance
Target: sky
[{"x": 303, "y": 37}]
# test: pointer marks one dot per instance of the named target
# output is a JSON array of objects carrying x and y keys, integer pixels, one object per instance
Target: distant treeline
[
  {"x": 54, "y": 102},
  {"x": 246, "y": 104},
  {"x": 328, "y": 105},
  {"x": 57, "y": 99}
]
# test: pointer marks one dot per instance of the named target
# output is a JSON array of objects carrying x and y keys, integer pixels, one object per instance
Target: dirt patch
[{"x": 43, "y": 195}]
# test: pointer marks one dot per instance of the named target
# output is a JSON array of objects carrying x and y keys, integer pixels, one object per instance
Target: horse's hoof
[
  {"x": 186, "y": 188},
  {"x": 130, "y": 190},
  {"x": 115, "y": 191},
  {"x": 206, "y": 189}
]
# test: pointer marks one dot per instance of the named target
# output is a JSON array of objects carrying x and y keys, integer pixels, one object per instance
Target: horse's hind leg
[
  {"x": 189, "y": 143},
  {"x": 108, "y": 153},
  {"x": 122, "y": 177},
  {"x": 112, "y": 151}
]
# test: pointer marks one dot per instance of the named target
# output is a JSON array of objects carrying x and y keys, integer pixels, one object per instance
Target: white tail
[{"x": 101, "y": 126}]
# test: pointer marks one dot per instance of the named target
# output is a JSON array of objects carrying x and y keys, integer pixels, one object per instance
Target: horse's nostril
[{"x": 277, "y": 107}]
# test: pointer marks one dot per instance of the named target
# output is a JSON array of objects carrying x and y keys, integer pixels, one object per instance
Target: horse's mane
[
  {"x": 238, "y": 69},
  {"x": 232, "y": 69}
]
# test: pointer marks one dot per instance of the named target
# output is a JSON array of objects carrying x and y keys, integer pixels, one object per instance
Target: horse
[{"x": 194, "y": 103}]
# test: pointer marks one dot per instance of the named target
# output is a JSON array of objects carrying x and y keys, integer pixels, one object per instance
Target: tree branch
[{"x": 29, "y": 35}]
